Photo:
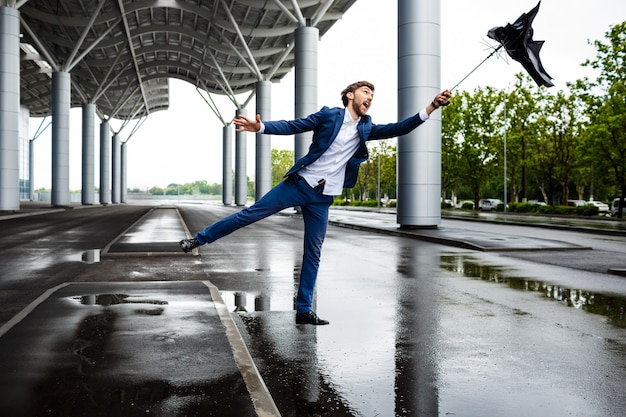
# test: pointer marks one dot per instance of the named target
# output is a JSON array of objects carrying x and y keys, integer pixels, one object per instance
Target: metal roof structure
[{"x": 121, "y": 53}]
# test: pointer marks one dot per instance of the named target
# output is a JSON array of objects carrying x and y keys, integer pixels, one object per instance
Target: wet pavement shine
[
  {"x": 101, "y": 315},
  {"x": 117, "y": 349}
]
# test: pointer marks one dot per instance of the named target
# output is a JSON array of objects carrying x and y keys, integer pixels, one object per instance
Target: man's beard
[{"x": 358, "y": 110}]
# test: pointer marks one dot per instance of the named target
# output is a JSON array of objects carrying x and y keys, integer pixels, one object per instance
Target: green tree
[
  {"x": 519, "y": 114},
  {"x": 156, "y": 190},
  {"x": 387, "y": 151},
  {"x": 560, "y": 126},
  {"x": 605, "y": 101},
  {"x": 474, "y": 130},
  {"x": 382, "y": 153},
  {"x": 282, "y": 160},
  {"x": 451, "y": 148}
]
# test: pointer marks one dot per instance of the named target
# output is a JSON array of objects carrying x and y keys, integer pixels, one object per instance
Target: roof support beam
[
  {"x": 93, "y": 45},
  {"x": 321, "y": 11},
  {"x": 242, "y": 39},
  {"x": 286, "y": 11},
  {"x": 210, "y": 102},
  {"x": 296, "y": 8},
  {"x": 69, "y": 64},
  {"x": 103, "y": 87},
  {"x": 279, "y": 62},
  {"x": 122, "y": 103},
  {"x": 40, "y": 47},
  {"x": 231, "y": 94},
  {"x": 132, "y": 52},
  {"x": 252, "y": 69}
]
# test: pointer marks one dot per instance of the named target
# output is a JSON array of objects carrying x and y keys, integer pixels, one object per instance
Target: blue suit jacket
[{"x": 325, "y": 125}]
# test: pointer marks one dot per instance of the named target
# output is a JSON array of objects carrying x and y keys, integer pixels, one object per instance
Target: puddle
[
  {"x": 612, "y": 307},
  {"x": 114, "y": 299}
]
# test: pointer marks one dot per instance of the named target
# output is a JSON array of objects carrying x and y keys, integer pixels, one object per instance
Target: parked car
[
  {"x": 576, "y": 203},
  {"x": 603, "y": 208},
  {"x": 467, "y": 203},
  {"x": 488, "y": 204},
  {"x": 615, "y": 206}
]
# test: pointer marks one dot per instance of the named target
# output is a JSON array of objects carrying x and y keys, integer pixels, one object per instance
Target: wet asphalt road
[{"x": 417, "y": 328}]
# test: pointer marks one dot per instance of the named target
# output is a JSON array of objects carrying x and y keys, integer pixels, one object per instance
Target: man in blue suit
[{"x": 332, "y": 163}]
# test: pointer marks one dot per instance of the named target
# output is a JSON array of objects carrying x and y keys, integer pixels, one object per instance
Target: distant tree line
[{"x": 201, "y": 187}]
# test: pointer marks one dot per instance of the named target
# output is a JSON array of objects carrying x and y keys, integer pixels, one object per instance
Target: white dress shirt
[{"x": 331, "y": 165}]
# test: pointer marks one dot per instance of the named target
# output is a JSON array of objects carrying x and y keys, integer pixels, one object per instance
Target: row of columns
[
  {"x": 113, "y": 154},
  {"x": 10, "y": 126},
  {"x": 419, "y": 153},
  {"x": 112, "y": 151}
]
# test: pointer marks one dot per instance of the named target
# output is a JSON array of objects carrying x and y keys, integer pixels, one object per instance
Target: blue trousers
[{"x": 293, "y": 191}]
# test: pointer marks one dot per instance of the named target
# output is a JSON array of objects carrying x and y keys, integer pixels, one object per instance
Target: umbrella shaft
[{"x": 476, "y": 67}]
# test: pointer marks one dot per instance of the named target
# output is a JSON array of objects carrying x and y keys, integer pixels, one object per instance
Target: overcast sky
[{"x": 184, "y": 143}]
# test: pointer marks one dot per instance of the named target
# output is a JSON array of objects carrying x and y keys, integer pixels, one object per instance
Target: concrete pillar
[
  {"x": 241, "y": 177},
  {"x": 61, "y": 92},
  {"x": 263, "y": 167},
  {"x": 115, "y": 169},
  {"x": 31, "y": 168},
  {"x": 88, "y": 154},
  {"x": 305, "y": 83},
  {"x": 124, "y": 174},
  {"x": 24, "y": 160},
  {"x": 227, "y": 165},
  {"x": 105, "y": 163},
  {"x": 419, "y": 80},
  {"x": 9, "y": 108}
]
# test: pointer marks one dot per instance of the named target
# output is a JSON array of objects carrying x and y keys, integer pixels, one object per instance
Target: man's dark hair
[{"x": 352, "y": 87}]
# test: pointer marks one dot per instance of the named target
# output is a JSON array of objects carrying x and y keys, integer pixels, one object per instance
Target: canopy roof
[{"x": 121, "y": 53}]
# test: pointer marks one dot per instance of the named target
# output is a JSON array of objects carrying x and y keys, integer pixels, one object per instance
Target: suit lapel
[
  {"x": 338, "y": 122},
  {"x": 364, "y": 128}
]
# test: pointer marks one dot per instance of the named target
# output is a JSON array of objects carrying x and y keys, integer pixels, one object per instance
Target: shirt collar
[{"x": 347, "y": 117}]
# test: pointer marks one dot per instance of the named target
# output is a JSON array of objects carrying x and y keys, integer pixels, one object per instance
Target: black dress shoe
[
  {"x": 310, "y": 318},
  {"x": 187, "y": 245}
]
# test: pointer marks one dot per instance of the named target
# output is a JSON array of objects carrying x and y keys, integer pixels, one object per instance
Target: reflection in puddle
[
  {"x": 241, "y": 301},
  {"x": 113, "y": 299},
  {"x": 613, "y": 307},
  {"x": 91, "y": 256}
]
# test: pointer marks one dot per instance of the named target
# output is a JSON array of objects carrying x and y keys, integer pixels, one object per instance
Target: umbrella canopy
[{"x": 517, "y": 40}]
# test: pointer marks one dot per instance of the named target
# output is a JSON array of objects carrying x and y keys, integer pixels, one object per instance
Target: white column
[
  {"x": 61, "y": 93},
  {"x": 105, "y": 163},
  {"x": 115, "y": 169},
  {"x": 241, "y": 162},
  {"x": 124, "y": 173},
  {"x": 88, "y": 154},
  {"x": 9, "y": 108},
  {"x": 263, "y": 167},
  {"x": 227, "y": 165},
  {"x": 305, "y": 83},
  {"x": 419, "y": 80}
]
